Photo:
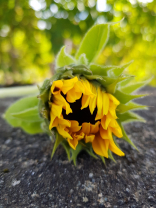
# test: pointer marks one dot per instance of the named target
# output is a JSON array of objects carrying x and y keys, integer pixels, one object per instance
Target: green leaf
[
  {"x": 83, "y": 59},
  {"x": 67, "y": 148},
  {"x": 93, "y": 42},
  {"x": 118, "y": 70},
  {"x": 129, "y": 116},
  {"x": 75, "y": 153},
  {"x": 122, "y": 108},
  {"x": 111, "y": 156},
  {"x": 81, "y": 69},
  {"x": 125, "y": 136},
  {"x": 63, "y": 58},
  {"x": 125, "y": 98},
  {"x": 18, "y": 91},
  {"x": 23, "y": 105},
  {"x": 136, "y": 86},
  {"x": 58, "y": 141},
  {"x": 30, "y": 114}
]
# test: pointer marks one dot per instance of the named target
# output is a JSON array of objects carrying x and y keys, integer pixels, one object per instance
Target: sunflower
[{"x": 83, "y": 111}]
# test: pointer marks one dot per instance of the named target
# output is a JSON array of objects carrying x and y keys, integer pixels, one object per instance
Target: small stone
[
  {"x": 151, "y": 198},
  {"x": 85, "y": 199},
  {"x": 71, "y": 191},
  {"x": 121, "y": 202},
  {"x": 100, "y": 195},
  {"x": 127, "y": 190},
  {"x": 90, "y": 175},
  {"x": 35, "y": 195},
  {"x": 6, "y": 170},
  {"x": 15, "y": 182}
]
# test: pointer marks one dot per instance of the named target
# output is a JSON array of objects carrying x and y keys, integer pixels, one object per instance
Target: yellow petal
[
  {"x": 105, "y": 134},
  {"x": 105, "y": 121},
  {"x": 89, "y": 138},
  {"x": 115, "y": 101},
  {"x": 68, "y": 84},
  {"x": 86, "y": 128},
  {"x": 105, "y": 99},
  {"x": 63, "y": 131},
  {"x": 112, "y": 110},
  {"x": 72, "y": 95},
  {"x": 87, "y": 88},
  {"x": 100, "y": 146},
  {"x": 99, "y": 105},
  {"x": 73, "y": 142},
  {"x": 94, "y": 127},
  {"x": 117, "y": 131},
  {"x": 56, "y": 110},
  {"x": 93, "y": 100},
  {"x": 79, "y": 136},
  {"x": 74, "y": 126},
  {"x": 85, "y": 101},
  {"x": 60, "y": 100},
  {"x": 115, "y": 149},
  {"x": 56, "y": 86}
]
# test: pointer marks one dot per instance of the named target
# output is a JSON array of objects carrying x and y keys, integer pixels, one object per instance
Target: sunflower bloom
[{"x": 82, "y": 111}]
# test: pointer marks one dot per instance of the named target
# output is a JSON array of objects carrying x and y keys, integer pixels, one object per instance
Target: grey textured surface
[{"x": 28, "y": 178}]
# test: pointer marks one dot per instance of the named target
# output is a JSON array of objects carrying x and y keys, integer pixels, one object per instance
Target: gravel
[{"x": 29, "y": 178}]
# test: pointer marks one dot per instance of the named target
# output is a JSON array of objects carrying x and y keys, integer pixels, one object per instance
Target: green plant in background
[
  {"x": 33, "y": 31},
  {"x": 84, "y": 105}
]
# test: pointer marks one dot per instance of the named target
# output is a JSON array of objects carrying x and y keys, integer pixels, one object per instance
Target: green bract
[{"x": 33, "y": 115}]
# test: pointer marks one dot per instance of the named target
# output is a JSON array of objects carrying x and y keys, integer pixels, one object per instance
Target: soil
[{"x": 29, "y": 178}]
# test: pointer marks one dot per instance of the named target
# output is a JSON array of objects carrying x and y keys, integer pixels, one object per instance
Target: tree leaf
[
  {"x": 63, "y": 58},
  {"x": 122, "y": 108},
  {"x": 93, "y": 42},
  {"x": 58, "y": 141}
]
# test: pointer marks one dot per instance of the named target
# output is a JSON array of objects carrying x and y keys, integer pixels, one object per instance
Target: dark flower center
[{"x": 79, "y": 115}]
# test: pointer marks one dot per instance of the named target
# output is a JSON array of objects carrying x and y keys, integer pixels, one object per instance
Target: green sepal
[
  {"x": 88, "y": 148},
  {"x": 111, "y": 156},
  {"x": 29, "y": 115},
  {"x": 126, "y": 81},
  {"x": 75, "y": 153},
  {"x": 45, "y": 128},
  {"x": 125, "y": 98},
  {"x": 129, "y": 116},
  {"x": 122, "y": 108},
  {"x": 103, "y": 160},
  {"x": 112, "y": 87},
  {"x": 44, "y": 109},
  {"x": 118, "y": 70},
  {"x": 125, "y": 136},
  {"x": 83, "y": 59},
  {"x": 64, "y": 59},
  {"x": 58, "y": 141},
  {"x": 67, "y": 148},
  {"x": 93, "y": 42},
  {"x": 136, "y": 86},
  {"x": 67, "y": 75},
  {"x": 100, "y": 69}
]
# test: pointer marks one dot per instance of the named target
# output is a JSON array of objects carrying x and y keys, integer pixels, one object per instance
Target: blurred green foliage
[{"x": 32, "y": 32}]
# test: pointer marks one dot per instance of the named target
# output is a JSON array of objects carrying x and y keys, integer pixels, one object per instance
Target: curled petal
[
  {"x": 89, "y": 138},
  {"x": 63, "y": 131},
  {"x": 85, "y": 101},
  {"x": 68, "y": 84},
  {"x": 94, "y": 128},
  {"x": 86, "y": 128},
  {"x": 72, "y": 96},
  {"x": 105, "y": 134},
  {"x": 56, "y": 87},
  {"x": 73, "y": 142},
  {"x": 115, "y": 101},
  {"x": 100, "y": 146},
  {"x": 115, "y": 149},
  {"x": 105, "y": 100},
  {"x": 74, "y": 126}
]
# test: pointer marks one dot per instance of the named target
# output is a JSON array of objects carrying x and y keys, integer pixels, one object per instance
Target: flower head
[{"x": 83, "y": 111}]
